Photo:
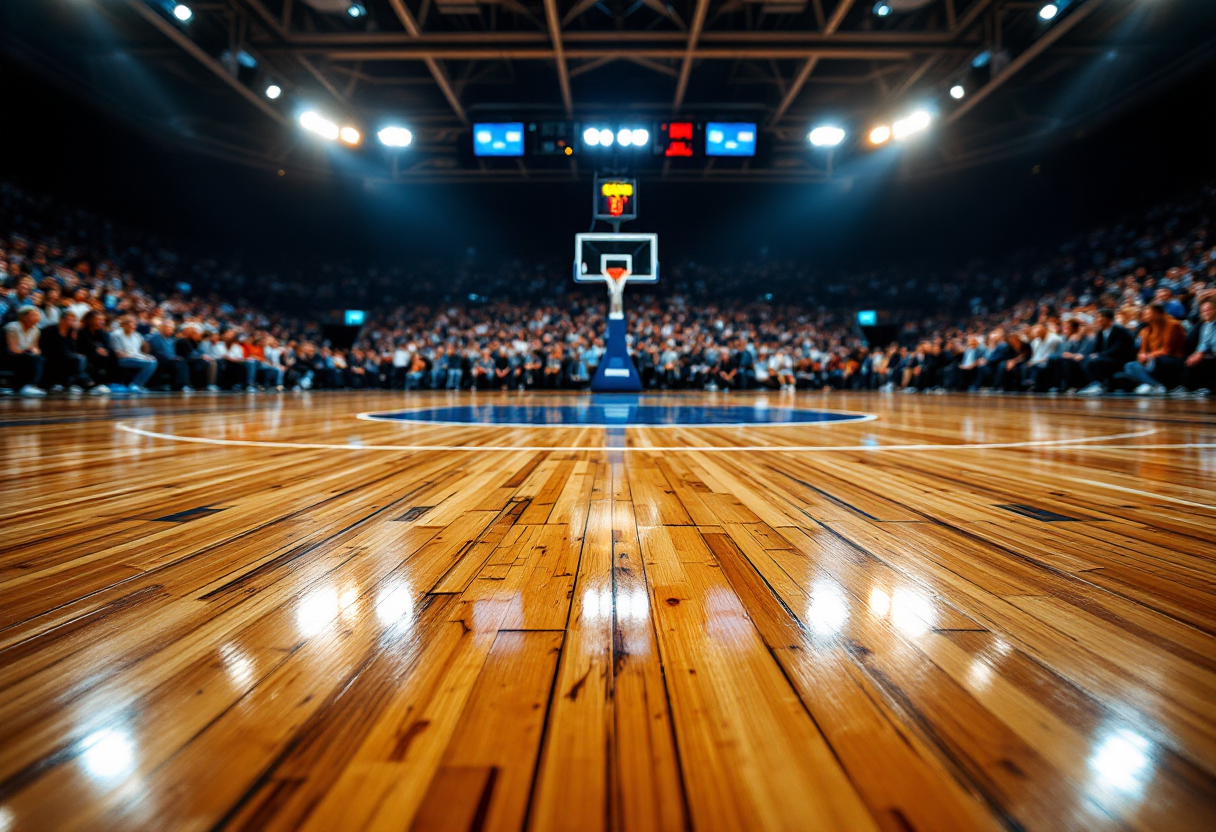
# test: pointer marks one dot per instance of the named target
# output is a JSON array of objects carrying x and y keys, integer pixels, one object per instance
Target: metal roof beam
[
  {"x": 194, "y": 50},
  {"x": 555, "y": 36},
  {"x": 1033, "y": 51},
  {"x": 694, "y": 34},
  {"x": 432, "y": 63}
]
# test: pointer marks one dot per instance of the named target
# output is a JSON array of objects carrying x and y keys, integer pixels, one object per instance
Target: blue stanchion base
[{"x": 616, "y": 373}]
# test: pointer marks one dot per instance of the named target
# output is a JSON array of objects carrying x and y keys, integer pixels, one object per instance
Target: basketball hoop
[{"x": 616, "y": 260}]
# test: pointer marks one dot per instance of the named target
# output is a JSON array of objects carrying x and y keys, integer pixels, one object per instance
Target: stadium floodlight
[
  {"x": 827, "y": 135},
  {"x": 591, "y": 137},
  {"x": 914, "y": 123},
  {"x": 316, "y": 123},
  {"x": 273, "y": 91},
  {"x": 957, "y": 91},
  {"x": 880, "y": 134},
  {"x": 882, "y": 9},
  {"x": 606, "y": 137},
  {"x": 356, "y": 10},
  {"x": 1049, "y": 11},
  {"x": 395, "y": 137},
  {"x": 350, "y": 135},
  {"x": 640, "y": 136},
  {"x": 624, "y": 137},
  {"x": 183, "y": 12}
]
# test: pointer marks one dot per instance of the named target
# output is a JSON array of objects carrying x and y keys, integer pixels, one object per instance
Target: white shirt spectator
[
  {"x": 127, "y": 346},
  {"x": 27, "y": 339},
  {"x": 1046, "y": 347}
]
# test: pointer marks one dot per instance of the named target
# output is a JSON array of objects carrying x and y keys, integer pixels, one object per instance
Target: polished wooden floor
[{"x": 262, "y": 613}]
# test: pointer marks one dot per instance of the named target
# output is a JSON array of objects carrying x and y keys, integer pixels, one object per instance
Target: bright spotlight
[
  {"x": 314, "y": 122},
  {"x": 882, "y": 9},
  {"x": 591, "y": 137},
  {"x": 1049, "y": 11},
  {"x": 640, "y": 137},
  {"x": 880, "y": 134},
  {"x": 957, "y": 91},
  {"x": 355, "y": 10},
  {"x": 350, "y": 135},
  {"x": 395, "y": 137},
  {"x": 914, "y": 123},
  {"x": 273, "y": 91},
  {"x": 624, "y": 138},
  {"x": 606, "y": 137},
  {"x": 826, "y": 136},
  {"x": 183, "y": 12}
]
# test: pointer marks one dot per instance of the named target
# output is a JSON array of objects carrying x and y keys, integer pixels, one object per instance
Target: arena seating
[{"x": 1028, "y": 323}]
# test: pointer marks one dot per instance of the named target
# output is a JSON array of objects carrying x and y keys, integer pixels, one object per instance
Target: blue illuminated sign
[
  {"x": 867, "y": 318},
  {"x": 354, "y": 317},
  {"x": 499, "y": 139},
  {"x": 736, "y": 139}
]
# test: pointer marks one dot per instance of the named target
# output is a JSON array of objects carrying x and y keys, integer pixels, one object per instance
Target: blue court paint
[{"x": 617, "y": 412}]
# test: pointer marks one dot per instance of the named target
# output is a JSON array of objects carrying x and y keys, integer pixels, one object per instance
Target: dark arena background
[{"x": 599, "y": 415}]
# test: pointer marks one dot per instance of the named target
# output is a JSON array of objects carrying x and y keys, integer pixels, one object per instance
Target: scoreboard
[
  {"x": 616, "y": 199},
  {"x": 677, "y": 139},
  {"x": 616, "y": 139}
]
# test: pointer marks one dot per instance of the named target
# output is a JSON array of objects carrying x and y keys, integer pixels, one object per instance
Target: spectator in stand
[
  {"x": 1200, "y": 365},
  {"x": 93, "y": 342},
  {"x": 66, "y": 366},
  {"x": 1162, "y": 357},
  {"x": 1064, "y": 370},
  {"x": 191, "y": 347},
  {"x": 1045, "y": 346},
  {"x": 21, "y": 353},
  {"x": 242, "y": 373},
  {"x": 162, "y": 345},
  {"x": 129, "y": 347},
  {"x": 1112, "y": 347},
  {"x": 22, "y": 296}
]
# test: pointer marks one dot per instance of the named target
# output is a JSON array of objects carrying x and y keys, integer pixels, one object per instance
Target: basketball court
[{"x": 505, "y": 611}]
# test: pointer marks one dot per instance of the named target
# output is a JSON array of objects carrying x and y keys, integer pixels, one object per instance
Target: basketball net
[{"x": 617, "y": 276}]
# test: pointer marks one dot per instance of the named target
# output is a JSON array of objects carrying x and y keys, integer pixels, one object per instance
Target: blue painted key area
[{"x": 617, "y": 412}]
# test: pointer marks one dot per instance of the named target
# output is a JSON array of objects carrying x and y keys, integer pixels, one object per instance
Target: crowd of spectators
[{"x": 90, "y": 308}]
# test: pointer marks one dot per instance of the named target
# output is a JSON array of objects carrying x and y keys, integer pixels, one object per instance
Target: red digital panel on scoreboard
[{"x": 677, "y": 138}]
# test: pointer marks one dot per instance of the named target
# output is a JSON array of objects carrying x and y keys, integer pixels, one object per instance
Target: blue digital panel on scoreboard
[
  {"x": 505, "y": 139},
  {"x": 730, "y": 139}
]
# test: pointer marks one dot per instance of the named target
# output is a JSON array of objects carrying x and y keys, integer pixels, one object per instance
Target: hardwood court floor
[{"x": 323, "y": 623}]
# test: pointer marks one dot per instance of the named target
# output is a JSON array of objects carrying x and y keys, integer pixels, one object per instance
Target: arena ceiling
[{"x": 439, "y": 66}]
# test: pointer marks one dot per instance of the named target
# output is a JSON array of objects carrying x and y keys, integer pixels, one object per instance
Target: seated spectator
[
  {"x": 1199, "y": 374},
  {"x": 1162, "y": 357},
  {"x": 1064, "y": 370},
  {"x": 66, "y": 365},
  {"x": 192, "y": 348},
  {"x": 21, "y": 353},
  {"x": 93, "y": 342},
  {"x": 130, "y": 348},
  {"x": 1044, "y": 346},
  {"x": 162, "y": 345},
  {"x": 1111, "y": 348}
]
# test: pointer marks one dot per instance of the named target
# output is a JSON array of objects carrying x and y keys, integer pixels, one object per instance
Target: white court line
[
  {"x": 1124, "y": 488},
  {"x": 855, "y": 416},
  {"x": 317, "y": 446}
]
